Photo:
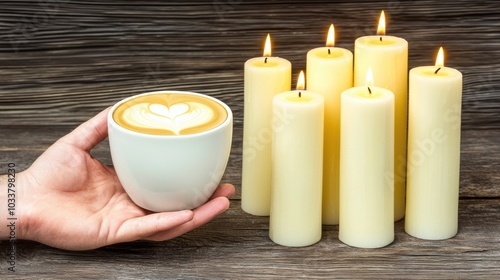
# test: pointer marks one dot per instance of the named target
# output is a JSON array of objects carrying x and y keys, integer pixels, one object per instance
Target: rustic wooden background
[{"x": 62, "y": 61}]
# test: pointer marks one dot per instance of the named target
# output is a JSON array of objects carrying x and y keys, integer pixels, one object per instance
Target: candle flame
[
  {"x": 301, "y": 82},
  {"x": 440, "y": 58},
  {"x": 381, "y": 24},
  {"x": 330, "y": 40},
  {"x": 369, "y": 77},
  {"x": 267, "y": 47}
]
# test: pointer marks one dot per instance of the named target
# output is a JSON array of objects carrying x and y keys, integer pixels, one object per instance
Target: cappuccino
[
  {"x": 170, "y": 114},
  {"x": 170, "y": 148}
]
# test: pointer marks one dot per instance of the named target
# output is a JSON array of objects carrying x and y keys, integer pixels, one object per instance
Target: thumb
[{"x": 90, "y": 133}]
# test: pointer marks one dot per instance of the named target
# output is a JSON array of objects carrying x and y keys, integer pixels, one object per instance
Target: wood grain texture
[
  {"x": 62, "y": 61},
  {"x": 236, "y": 246}
]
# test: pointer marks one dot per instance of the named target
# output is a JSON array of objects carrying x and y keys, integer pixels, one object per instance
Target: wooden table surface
[{"x": 62, "y": 61}]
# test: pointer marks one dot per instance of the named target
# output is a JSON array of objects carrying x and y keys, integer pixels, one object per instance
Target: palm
[
  {"x": 97, "y": 203},
  {"x": 82, "y": 205}
]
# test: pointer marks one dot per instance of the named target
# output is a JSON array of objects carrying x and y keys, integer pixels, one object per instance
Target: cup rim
[{"x": 111, "y": 120}]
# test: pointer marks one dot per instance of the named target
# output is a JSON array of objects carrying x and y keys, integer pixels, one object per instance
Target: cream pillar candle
[
  {"x": 388, "y": 58},
  {"x": 329, "y": 72},
  {"x": 295, "y": 218},
  {"x": 433, "y": 151},
  {"x": 366, "y": 155},
  {"x": 264, "y": 78}
]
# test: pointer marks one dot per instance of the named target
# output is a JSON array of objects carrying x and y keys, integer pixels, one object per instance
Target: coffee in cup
[
  {"x": 170, "y": 148},
  {"x": 170, "y": 114}
]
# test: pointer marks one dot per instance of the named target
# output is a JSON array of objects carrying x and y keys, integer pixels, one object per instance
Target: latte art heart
[
  {"x": 174, "y": 118},
  {"x": 170, "y": 114}
]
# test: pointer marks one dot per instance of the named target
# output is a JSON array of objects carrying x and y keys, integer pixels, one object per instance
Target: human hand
[{"x": 70, "y": 200}]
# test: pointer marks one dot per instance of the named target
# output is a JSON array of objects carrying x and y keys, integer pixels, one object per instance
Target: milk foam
[
  {"x": 174, "y": 118},
  {"x": 170, "y": 114}
]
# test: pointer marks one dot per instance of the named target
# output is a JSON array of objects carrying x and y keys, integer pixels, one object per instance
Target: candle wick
[
  {"x": 300, "y": 94},
  {"x": 437, "y": 70},
  {"x": 380, "y": 38},
  {"x": 265, "y": 60},
  {"x": 369, "y": 90},
  {"x": 328, "y": 51}
]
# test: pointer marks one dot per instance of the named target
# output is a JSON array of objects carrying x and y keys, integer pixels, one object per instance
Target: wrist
[
  {"x": 5, "y": 228},
  {"x": 13, "y": 221}
]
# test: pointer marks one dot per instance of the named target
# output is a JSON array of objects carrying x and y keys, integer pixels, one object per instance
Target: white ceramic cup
[{"x": 170, "y": 172}]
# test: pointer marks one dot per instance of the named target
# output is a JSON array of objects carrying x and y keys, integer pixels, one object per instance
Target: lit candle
[
  {"x": 297, "y": 168},
  {"x": 264, "y": 78},
  {"x": 433, "y": 151},
  {"x": 329, "y": 72},
  {"x": 388, "y": 58},
  {"x": 366, "y": 155}
]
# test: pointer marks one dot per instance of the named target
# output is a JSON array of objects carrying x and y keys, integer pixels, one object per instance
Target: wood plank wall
[{"x": 62, "y": 61}]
